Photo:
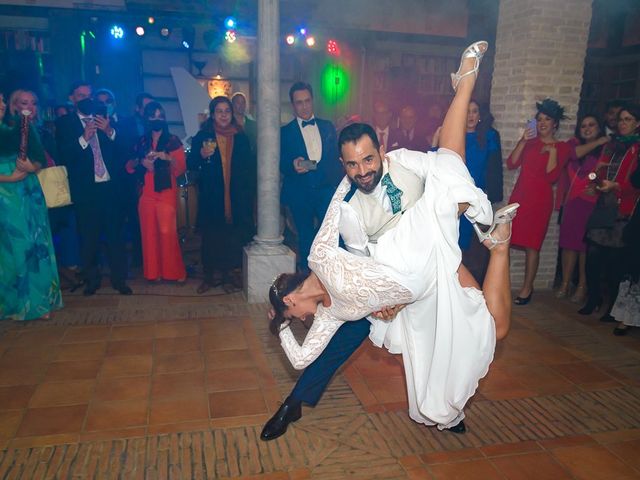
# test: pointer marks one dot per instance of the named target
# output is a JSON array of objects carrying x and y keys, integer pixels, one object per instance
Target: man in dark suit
[
  {"x": 87, "y": 147},
  {"x": 388, "y": 136},
  {"x": 411, "y": 137},
  {"x": 310, "y": 167}
]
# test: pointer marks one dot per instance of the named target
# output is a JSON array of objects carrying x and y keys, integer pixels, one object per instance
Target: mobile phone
[
  {"x": 309, "y": 164},
  {"x": 100, "y": 109},
  {"x": 533, "y": 126}
]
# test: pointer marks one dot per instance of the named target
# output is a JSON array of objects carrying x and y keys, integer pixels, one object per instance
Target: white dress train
[{"x": 446, "y": 335}]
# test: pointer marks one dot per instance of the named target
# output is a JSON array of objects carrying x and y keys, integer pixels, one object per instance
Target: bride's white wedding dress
[{"x": 446, "y": 335}]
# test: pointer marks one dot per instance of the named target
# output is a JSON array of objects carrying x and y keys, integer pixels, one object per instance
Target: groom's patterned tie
[{"x": 394, "y": 193}]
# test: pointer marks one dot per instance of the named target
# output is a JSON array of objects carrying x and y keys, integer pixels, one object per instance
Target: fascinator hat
[{"x": 551, "y": 108}]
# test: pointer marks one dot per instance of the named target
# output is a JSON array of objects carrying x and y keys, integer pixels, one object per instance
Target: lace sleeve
[
  {"x": 323, "y": 328},
  {"x": 326, "y": 240}
]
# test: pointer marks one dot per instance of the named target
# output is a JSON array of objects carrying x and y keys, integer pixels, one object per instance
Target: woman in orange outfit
[{"x": 160, "y": 160}]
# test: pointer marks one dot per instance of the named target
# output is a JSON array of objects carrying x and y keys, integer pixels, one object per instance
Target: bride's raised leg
[
  {"x": 497, "y": 283},
  {"x": 454, "y": 127}
]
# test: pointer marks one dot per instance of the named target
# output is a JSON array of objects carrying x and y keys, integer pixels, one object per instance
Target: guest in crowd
[
  {"x": 244, "y": 120},
  {"x": 611, "y": 111},
  {"x": 86, "y": 145},
  {"x": 160, "y": 159},
  {"x": 410, "y": 136},
  {"x": 126, "y": 128},
  {"x": 607, "y": 249},
  {"x": 541, "y": 158},
  {"x": 29, "y": 284},
  {"x": 388, "y": 136},
  {"x": 626, "y": 309},
  {"x": 578, "y": 197},
  {"x": 227, "y": 186},
  {"x": 61, "y": 219},
  {"x": 310, "y": 168}
]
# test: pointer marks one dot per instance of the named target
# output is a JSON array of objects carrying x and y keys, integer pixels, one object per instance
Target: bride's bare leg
[
  {"x": 497, "y": 283},
  {"x": 454, "y": 127}
]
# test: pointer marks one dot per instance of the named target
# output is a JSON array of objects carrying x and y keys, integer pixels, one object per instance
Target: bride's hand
[{"x": 388, "y": 313}]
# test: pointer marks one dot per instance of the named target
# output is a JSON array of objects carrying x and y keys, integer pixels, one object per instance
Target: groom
[{"x": 378, "y": 200}]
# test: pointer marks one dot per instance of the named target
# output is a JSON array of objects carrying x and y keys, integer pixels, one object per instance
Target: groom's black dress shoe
[
  {"x": 459, "y": 428},
  {"x": 289, "y": 412}
]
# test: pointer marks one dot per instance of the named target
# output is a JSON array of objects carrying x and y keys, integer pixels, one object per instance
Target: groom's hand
[{"x": 388, "y": 313}]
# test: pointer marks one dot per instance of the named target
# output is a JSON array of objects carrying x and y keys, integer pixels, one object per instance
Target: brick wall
[{"x": 539, "y": 52}]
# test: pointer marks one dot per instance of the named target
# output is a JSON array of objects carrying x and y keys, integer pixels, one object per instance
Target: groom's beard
[{"x": 367, "y": 183}]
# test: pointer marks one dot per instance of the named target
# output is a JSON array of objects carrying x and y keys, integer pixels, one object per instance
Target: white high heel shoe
[
  {"x": 504, "y": 215},
  {"x": 475, "y": 50}
]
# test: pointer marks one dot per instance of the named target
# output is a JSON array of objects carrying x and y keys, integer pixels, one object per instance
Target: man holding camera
[
  {"x": 310, "y": 167},
  {"x": 87, "y": 147}
]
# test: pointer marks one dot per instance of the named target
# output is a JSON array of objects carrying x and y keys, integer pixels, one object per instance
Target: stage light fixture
[
  {"x": 230, "y": 36},
  {"x": 117, "y": 32},
  {"x": 230, "y": 23},
  {"x": 151, "y": 20},
  {"x": 140, "y": 31},
  {"x": 311, "y": 42},
  {"x": 188, "y": 37},
  {"x": 165, "y": 32},
  {"x": 290, "y": 39},
  {"x": 333, "y": 48},
  {"x": 303, "y": 31}
]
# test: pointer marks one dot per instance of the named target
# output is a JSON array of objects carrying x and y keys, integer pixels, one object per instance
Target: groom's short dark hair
[{"x": 354, "y": 132}]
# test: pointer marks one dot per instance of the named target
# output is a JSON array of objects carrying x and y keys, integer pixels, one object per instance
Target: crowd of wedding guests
[{"x": 124, "y": 170}]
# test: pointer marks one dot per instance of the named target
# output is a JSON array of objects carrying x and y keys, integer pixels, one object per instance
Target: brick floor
[{"x": 169, "y": 384}]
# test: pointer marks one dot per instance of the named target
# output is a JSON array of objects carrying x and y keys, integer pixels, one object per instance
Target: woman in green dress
[{"x": 29, "y": 284}]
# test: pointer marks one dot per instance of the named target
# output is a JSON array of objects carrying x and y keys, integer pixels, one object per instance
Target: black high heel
[
  {"x": 590, "y": 307},
  {"x": 523, "y": 300},
  {"x": 608, "y": 318}
]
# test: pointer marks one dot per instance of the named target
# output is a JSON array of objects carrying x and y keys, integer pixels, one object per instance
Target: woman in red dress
[
  {"x": 541, "y": 158},
  {"x": 161, "y": 159}
]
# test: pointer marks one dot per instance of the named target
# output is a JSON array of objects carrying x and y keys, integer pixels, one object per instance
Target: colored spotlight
[
  {"x": 186, "y": 44},
  {"x": 303, "y": 31},
  {"x": 165, "y": 32},
  {"x": 290, "y": 39},
  {"x": 311, "y": 41},
  {"x": 140, "y": 31},
  {"x": 333, "y": 48},
  {"x": 151, "y": 20},
  {"x": 117, "y": 32},
  {"x": 230, "y": 23},
  {"x": 230, "y": 36}
]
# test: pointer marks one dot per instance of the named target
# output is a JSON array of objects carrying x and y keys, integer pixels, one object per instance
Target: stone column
[
  {"x": 266, "y": 256},
  {"x": 539, "y": 52}
]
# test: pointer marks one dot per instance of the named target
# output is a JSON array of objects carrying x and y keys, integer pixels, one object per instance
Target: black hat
[{"x": 551, "y": 108}]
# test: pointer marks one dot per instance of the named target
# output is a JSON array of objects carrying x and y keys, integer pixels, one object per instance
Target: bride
[{"x": 448, "y": 341}]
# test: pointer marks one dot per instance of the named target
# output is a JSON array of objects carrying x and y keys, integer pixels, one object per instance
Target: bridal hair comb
[{"x": 274, "y": 286}]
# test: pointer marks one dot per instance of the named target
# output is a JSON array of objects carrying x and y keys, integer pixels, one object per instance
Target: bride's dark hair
[{"x": 283, "y": 285}]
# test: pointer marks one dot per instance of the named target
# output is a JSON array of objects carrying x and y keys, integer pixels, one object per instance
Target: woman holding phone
[
  {"x": 161, "y": 160},
  {"x": 541, "y": 157},
  {"x": 227, "y": 185}
]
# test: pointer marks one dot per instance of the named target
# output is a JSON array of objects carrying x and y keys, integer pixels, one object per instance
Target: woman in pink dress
[
  {"x": 541, "y": 158},
  {"x": 578, "y": 196}
]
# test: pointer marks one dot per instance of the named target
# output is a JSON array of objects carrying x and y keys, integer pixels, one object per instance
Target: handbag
[
  {"x": 605, "y": 212},
  {"x": 55, "y": 186}
]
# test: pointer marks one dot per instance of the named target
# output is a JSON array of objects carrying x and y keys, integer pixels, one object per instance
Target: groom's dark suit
[
  {"x": 98, "y": 205},
  {"x": 307, "y": 195}
]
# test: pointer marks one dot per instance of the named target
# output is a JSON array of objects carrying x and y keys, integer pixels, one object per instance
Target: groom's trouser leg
[{"x": 313, "y": 381}]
